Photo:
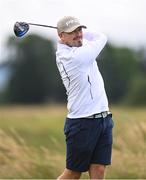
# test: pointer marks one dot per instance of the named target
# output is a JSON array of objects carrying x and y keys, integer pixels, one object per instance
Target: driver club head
[{"x": 21, "y": 28}]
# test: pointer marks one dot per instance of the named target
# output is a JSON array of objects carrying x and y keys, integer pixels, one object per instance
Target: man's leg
[
  {"x": 97, "y": 171},
  {"x": 69, "y": 174}
]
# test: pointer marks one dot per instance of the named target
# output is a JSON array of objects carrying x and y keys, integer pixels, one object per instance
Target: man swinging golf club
[{"x": 88, "y": 126}]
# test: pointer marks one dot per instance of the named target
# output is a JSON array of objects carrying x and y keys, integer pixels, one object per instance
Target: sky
[{"x": 123, "y": 21}]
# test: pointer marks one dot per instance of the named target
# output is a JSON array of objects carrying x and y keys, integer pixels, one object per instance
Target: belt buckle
[{"x": 104, "y": 114}]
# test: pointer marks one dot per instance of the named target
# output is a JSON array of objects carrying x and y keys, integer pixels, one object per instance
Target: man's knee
[
  {"x": 101, "y": 169},
  {"x": 97, "y": 171}
]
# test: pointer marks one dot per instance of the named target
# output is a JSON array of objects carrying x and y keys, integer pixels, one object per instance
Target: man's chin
[
  {"x": 79, "y": 43},
  {"x": 76, "y": 44}
]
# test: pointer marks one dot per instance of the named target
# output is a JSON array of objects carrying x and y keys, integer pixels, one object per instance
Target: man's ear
[{"x": 61, "y": 35}]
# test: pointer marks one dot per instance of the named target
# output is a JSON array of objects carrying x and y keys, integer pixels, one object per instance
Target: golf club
[{"x": 21, "y": 28}]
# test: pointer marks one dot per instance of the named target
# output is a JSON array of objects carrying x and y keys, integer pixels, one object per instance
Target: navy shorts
[{"x": 88, "y": 141}]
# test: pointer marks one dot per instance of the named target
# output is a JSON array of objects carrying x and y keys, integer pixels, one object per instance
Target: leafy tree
[
  {"x": 136, "y": 95},
  {"x": 34, "y": 78},
  {"x": 119, "y": 66}
]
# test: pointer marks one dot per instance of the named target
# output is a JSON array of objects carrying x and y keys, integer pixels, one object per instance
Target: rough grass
[
  {"x": 129, "y": 149},
  {"x": 32, "y": 142},
  {"x": 17, "y": 160}
]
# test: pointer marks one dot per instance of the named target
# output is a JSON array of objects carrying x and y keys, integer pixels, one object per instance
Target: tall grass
[
  {"x": 129, "y": 148},
  {"x": 32, "y": 143},
  {"x": 17, "y": 160}
]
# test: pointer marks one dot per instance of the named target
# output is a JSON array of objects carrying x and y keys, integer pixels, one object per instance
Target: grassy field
[{"x": 32, "y": 142}]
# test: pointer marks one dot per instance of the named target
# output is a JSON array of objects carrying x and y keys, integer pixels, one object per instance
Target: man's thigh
[{"x": 81, "y": 138}]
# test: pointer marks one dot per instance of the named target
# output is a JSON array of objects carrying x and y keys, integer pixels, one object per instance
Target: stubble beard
[{"x": 79, "y": 43}]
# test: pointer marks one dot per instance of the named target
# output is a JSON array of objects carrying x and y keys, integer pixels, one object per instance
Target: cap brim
[{"x": 71, "y": 29}]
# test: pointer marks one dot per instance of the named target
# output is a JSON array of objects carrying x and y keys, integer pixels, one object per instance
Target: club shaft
[{"x": 42, "y": 25}]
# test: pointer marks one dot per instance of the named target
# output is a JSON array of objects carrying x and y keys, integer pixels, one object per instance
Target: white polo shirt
[{"x": 81, "y": 77}]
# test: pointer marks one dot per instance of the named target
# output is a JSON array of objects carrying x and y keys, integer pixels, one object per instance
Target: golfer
[{"x": 88, "y": 125}]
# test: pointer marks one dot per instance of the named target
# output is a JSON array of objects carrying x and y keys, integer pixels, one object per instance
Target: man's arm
[{"x": 92, "y": 46}]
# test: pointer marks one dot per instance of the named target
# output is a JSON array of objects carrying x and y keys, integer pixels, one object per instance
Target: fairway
[{"x": 32, "y": 142}]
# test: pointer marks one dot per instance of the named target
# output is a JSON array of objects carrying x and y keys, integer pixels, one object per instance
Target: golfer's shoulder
[{"x": 64, "y": 54}]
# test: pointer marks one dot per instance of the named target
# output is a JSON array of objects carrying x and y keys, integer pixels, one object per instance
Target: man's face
[{"x": 72, "y": 39}]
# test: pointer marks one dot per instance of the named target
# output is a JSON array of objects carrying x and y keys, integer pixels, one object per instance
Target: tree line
[{"x": 34, "y": 77}]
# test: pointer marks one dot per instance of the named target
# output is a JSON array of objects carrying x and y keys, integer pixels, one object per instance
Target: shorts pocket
[
  {"x": 110, "y": 122},
  {"x": 71, "y": 128}
]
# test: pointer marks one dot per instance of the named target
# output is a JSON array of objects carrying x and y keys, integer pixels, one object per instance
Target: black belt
[{"x": 100, "y": 115}]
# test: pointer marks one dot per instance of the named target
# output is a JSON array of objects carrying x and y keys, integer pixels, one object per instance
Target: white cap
[{"x": 68, "y": 24}]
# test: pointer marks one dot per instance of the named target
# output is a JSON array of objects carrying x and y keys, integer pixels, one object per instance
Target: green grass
[
  {"x": 38, "y": 126},
  {"x": 32, "y": 142}
]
